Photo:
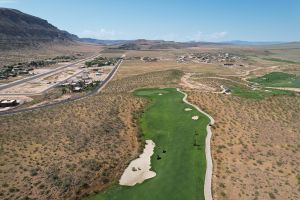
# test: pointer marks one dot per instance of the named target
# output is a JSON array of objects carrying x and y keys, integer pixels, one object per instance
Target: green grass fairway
[
  {"x": 258, "y": 94},
  {"x": 278, "y": 79},
  {"x": 281, "y": 60},
  {"x": 181, "y": 171}
]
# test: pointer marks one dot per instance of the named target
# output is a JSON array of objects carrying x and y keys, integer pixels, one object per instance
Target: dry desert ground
[{"x": 77, "y": 149}]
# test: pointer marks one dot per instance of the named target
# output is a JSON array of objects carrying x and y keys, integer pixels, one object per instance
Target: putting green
[{"x": 181, "y": 170}]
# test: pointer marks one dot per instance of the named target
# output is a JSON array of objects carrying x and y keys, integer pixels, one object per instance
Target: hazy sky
[{"x": 180, "y": 20}]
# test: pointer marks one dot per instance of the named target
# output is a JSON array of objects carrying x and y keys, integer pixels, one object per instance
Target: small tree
[{"x": 64, "y": 90}]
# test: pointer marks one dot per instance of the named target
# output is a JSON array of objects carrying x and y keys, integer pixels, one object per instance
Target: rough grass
[{"x": 181, "y": 171}]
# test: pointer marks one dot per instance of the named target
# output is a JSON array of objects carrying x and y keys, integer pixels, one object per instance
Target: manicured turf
[
  {"x": 278, "y": 79},
  {"x": 281, "y": 60},
  {"x": 273, "y": 79},
  {"x": 257, "y": 94},
  {"x": 181, "y": 171}
]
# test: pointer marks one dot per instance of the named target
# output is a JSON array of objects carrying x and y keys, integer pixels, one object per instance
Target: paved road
[
  {"x": 95, "y": 91},
  {"x": 18, "y": 82},
  {"x": 40, "y": 93}
]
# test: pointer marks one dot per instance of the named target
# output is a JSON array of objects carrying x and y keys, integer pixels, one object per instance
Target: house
[
  {"x": 65, "y": 84},
  {"x": 85, "y": 77},
  {"x": 88, "y": 82},
  {"x": 13, "y": 74},
  {"x": 226, "y": 90},
  {"x": 24, "y": 72},
  {"x": 73, "y": 83},
  {"x": 2, "y": 77},
  {"x": 8, "y": 103},
  {"x": 77, "y": 89},
  {"x": 17, "y": 67}
]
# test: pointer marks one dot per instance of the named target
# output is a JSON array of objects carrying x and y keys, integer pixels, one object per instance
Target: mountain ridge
[{"x": 18, "y": 29}]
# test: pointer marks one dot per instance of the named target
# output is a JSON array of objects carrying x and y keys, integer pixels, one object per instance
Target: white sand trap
[
  {"x": 139, "y": 169},
  {"x": 188, "y": 109},
  {"x": 160, "y": 94},
  {"x": 195, "y": 117}
]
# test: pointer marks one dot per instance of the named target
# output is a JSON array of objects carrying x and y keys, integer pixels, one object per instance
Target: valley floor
[{"x": 81, "y": 149}]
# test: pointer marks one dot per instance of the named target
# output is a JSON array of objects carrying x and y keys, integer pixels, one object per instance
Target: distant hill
[
  {"x": 289, "y": 45},
  {"x": 247, "y": 43},
  {"x": 143, "y": 44},
  {"x": 18, "y": 29},
  {"x": 104, "y": 42}
]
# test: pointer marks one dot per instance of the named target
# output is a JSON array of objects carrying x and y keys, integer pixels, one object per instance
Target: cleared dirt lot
[
  {"x": 41, "y": 84},
  {"x": 135, "y": 67}
]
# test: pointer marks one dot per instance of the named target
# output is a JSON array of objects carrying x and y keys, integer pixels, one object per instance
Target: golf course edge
[{"x": 209, "y": 164}]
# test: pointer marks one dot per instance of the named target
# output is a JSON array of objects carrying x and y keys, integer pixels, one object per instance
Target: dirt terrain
[
  {"x": 135, "y": 67},
  {"x": 255, "y": 145},
  {"x": 255, "y": 142},
  {"x": 76, "y": 149},
  {"x": 47, "y": 51}
]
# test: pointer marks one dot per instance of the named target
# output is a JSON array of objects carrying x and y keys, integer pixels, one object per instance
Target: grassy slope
[
  {"x": 278, "y": 79},
  {"x": 181, "y": 171}
]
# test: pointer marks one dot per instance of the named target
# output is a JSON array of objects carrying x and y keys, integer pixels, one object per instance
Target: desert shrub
[
  {"x": 33, "y": 172},
  {"x": 272, "y": 196},
  {"x": 223, "y": 194}
]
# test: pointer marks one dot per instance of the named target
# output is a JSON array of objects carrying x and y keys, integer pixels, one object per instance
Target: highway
[
  {"x": 39, "y": 93},
  {"x": 72, "y": 99}
]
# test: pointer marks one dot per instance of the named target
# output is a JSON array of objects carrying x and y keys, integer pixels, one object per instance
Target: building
[
  {"x": 8, "y": 103},
  {"x": 2, "y": 77},
  {"x": 77, "y": 89}
]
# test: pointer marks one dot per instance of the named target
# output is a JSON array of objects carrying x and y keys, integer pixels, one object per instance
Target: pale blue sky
[{"x": 180, "y": 20}]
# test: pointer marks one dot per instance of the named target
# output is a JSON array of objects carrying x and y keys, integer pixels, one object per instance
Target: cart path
[{"x": 285, "y": 88}]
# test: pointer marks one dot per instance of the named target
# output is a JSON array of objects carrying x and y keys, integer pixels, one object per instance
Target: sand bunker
[
  {"x": 188, "y": 109},
  {"x": 195, "y": 117},
  {"x": 139, "y": 169},
  {"x": 160, "y": 94}
]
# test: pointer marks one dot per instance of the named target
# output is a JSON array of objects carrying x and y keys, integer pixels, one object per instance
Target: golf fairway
[{"x": 180, "y": 145}]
